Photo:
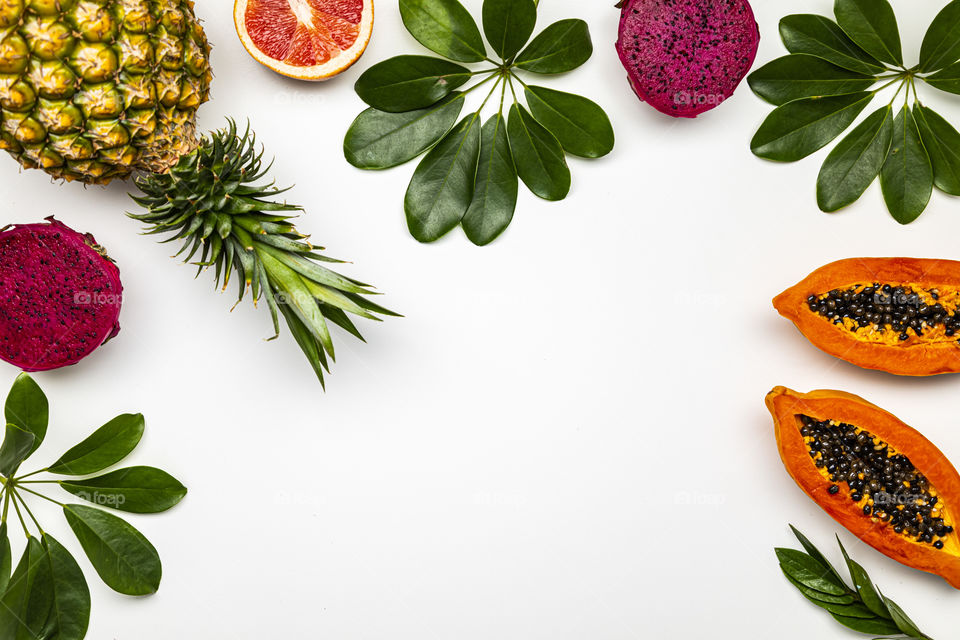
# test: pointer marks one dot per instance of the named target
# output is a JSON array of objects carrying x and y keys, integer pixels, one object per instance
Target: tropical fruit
[
  {"x": 684, "y": 57},
  {"x": 304, "y": 39},
  {"x": 60, "y": 295}
]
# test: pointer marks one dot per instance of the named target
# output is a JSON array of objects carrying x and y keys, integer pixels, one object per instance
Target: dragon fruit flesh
[
  {"x": 684, "y": 57},
  {"x": 60, "y": 295}
]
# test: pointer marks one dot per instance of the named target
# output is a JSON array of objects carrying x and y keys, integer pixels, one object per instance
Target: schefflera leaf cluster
[
  {"x": 472, "y": 168},
  {"x": 834, "y": 71},
  {"x": 45, "y": 595}
]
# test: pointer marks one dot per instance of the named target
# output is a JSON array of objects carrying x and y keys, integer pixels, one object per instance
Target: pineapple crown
[{"x": 211, "y": 202}]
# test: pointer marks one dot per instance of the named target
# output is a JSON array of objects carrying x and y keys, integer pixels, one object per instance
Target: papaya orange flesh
[
  {"x": 878, "y": 477},
  {"x": 900, "y": 315}
]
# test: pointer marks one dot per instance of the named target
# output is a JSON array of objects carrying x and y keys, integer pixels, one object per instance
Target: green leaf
[
  {"x": 903, "y": 621},
  {"x": 823, "y": 38},
  {"x": 495, "y": 192},
  {"x": 508, "y": 25},
  {"x": 907, "y": 176},
  {"x": 27, "y": 408},
  {"x": 809, "y": 572},
  {"x": 25, "y": 606},
  {"x": 445, "y": 27},
  {"x": 561, "y": 47},
  {"x": 815, "y": 553},
  {"x": 872, "y": 25},
  {"x": 6, "y": 558},
  {"x": 852, "y": 609},
  {"x": 819, "y": 596},
  {"x": 799, "y": 128},
  {"x": 122, "y": 556},
  {"x": 380, "y": 140},
  {"x": 134, "y": 489},
  {"x": 70, "y": 611},
  {"x": 947, "y": 79},
  {"x": 941, "y": 43},
  {"x": 442, "y": 186},
  {"x": 942, "y": 143},
  {"x": 106, "y": 446},
  {"x": 17, "y": 445},
  {"x": 875, "y": 626},
  {"x": 405, "y": 83},
  {"x": 538, "y": 156},
  {"x": 864, "y": 586},
  {"x": 855, "y": 161},
  {"x": 579, "y": 125},
  {"x": 804, "y": 76}
]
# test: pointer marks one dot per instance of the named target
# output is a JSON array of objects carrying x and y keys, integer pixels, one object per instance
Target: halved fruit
[
  {"x": 879, "y": 478},
  {"x": 304, "y": 39}
]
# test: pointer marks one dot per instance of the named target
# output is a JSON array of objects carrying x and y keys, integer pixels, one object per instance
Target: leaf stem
[
  {"x": 33, "y": 473},
  {"x": 23, "y": 524},
  {"x": 37, "y": 481},
  {"x": 49, "y": 499},
  {"x": 6, "y": 504},
  {"x": 16, "y": 497}
]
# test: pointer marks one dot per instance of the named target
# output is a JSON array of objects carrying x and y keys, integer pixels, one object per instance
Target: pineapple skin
[{"x": 93, "y": 90}]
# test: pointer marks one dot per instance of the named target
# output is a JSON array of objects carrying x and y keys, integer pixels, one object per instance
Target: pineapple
[{"x": 93, "y": 90}]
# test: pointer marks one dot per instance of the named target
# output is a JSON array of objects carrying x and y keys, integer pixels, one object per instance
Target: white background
[{"x": 564, "y": 438}]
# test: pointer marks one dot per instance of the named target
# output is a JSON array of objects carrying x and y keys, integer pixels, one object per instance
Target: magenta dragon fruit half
[
  {"x": 60, "y": 295},
  {"x": 684, "y": 57}
]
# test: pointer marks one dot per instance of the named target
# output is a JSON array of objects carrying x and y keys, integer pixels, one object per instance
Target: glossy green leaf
[
  {"x": 875, "y": 626},
  {"x": 800, "y": 75},
  {"x": 579, "y": 125},
  {"x": 106, "y": 446},
  {"x": 70, "y": 610},
  {"x": 903, "y": 621},
  {"x": 538, "y": 156},
  {"x": 445, "y": 27},
  {"x": 851, "y": 610},
  {"x": 942, "y": 143},
  {"x": 819, "y": 596},
  {"x": 561, "y": 47},
  {"x": 380, "y": 140},
  {"x": 495, "y": 191},
  {"x": 25, "y": 606},
  {"x": 122, "y": 556},
  {"x": 442, "y": 186},
  {"x": 6, "y": 558},
  {"x": 947, "y": 79},
  {"x": 134, "y": 489},
  {"x": 799, "y": 128},
  {"x": 855, "y": 162},
  {"x": 508, "y": 25},
  {"x": 907, "y": 176},
  {"x": 941, "y": 43},
  {"x": 809, "y": 572},
  {"x": 864, "y": 586},
  {"x": 873, "y": 26},
  {"x": 405, "y": 83},
  {"x": 815, "y": 553},
  {"x": 27, "y": 407},
  {"x": 17, "y": 445},
  {"x": 823, "y": 38}
]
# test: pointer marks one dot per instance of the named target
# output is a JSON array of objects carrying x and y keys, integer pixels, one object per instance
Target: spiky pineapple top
[
  {"x": 94, "y": 90},
  {"x": 210, "y": 200}
]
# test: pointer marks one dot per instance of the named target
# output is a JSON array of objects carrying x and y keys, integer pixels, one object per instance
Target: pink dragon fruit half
[
  {"x": 684, "y": 57},
  {"x": 60, "y": 295}
]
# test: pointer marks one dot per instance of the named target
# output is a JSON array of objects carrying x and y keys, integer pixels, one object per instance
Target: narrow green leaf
[
  {"x": 815, "y": 553},
  {"x": 819, "y": 596},
  {"x": 822, "y": 37},
  {"x": 124, "y": 559},
  {"x": 903, "y": 621},
  {"x": 310, "y": 346},
  {"x": 864, "y": 586},
  {"x": 579, "y": 125},
  {"x": 855, "y": 162},
  {"x": 561, "y": 47},
  {"x": 106, "y": 446},
  {"x": 850, "y": 610},
  {"x": 942, "y": 143},
  {"x": 907, "y": 176},
  {"x": 444, "y": 27},
  {"x": 405, "y": 83},
  {"x": 380, "y": 140},
  {"x": 508, "y": 25},
  {"x": 797, "y": 129},
  {"x": 872, "y": 25},
  {"x": 495, "y": 191},
  {"x": 941, "y": 43},
  {"x": 27, "y": 407},
  {"x": 70, "y": 611},
  {"x": 6, "y": 559},
  {"x": 800, "y": 75},
  {"x": 441, "y": 188},
  {"x": 25, "y": 606},
  {"x": 946, "y": 79},
  {"x": 292, "y": 292},
  {"x": 17, "y": 445},
  {"x": 875, "y": 626},
  {"x": 537, "y": 155},
  {"x": 134, "y": 489},
  {"x": 810, "y": 573}
]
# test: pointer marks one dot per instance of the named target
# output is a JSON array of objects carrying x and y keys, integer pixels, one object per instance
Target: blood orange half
[{"x": 304, "y": 39}]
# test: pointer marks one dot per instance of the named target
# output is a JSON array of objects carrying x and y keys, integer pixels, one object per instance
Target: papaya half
[
  {"x": 900, "y": 315},
  {"x": 878, "y": 477}
]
